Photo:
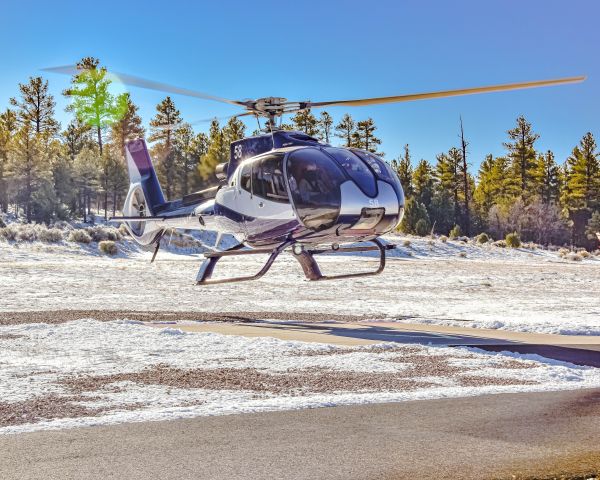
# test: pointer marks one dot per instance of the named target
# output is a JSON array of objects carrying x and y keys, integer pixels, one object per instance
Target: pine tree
[
  {"x": 128, "y": 126},
  {"x": 36, "y": 106},
  {"x": 364, "y": 136},
  {"x": 445, "y": 209},
  {"x": 113, "y": 178},
  {"x": 8, "y": 124},
  {"x": 414, "y": 212},
  {"x": 91, "y": 99},
  {"x": 583, "y": 175},
  {"x": 162, "y": 132},
  {"x": 325, "y": 124},
  {"x": 592, "y": 228},
  {"x": 217, "y": 152},
  {"x": 30, "y": 169},
  {"x": 521, "y": 152},
  {"x": 404, "y": 169},
  {"x": 493, "y": 185},
  {"x": 581, "y": 189},
  {"x": 305, "y": 121},
  {"x": 345, "y": 130},
  {"x": 63, "y": 178},
  {"x": 199, "y": 148},
  {"x": 484, "y": 193},
  {"x": 75, "y": 137},
  {"x": 86, "y": 172},
  {"x": 423, "y": 182},
  {"x": 452, "y": 181},
  {"x": 234, "y": 130},
  {"x": 190, "y": 148},
  {"x": 547, "y": 177}
]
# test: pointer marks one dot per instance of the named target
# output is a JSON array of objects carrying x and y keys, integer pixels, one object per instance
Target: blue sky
[{"x": 323, "y": 50}]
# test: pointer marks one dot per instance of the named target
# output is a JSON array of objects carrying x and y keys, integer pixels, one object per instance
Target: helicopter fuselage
[{"x": 287, "y": 186}]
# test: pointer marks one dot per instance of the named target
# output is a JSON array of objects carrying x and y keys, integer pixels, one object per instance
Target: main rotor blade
[
  {"x": 447, "y": 93},
  {"x": 175, "y": 126},
  {"x": 147, "y": 84}
]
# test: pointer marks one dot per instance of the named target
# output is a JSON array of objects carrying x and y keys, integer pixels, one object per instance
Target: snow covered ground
[
  {"x": 425, "y": 281},
  {"x": 88, "y": 372}
]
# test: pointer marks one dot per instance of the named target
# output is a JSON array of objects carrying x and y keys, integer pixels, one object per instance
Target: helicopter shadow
[{"x": 381, "y": 333}]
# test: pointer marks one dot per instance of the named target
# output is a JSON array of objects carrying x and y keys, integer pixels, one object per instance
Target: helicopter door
[{"x": 264, "y": 193}]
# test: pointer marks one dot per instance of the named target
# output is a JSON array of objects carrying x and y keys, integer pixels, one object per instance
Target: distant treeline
[{"x": 48, "y": 173}]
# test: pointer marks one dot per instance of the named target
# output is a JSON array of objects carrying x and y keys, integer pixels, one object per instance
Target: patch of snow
[
  {"x": 37, "y": 357},
  {"x": 498, "y": 288}
]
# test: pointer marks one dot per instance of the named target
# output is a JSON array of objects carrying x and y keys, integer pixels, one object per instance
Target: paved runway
[{"x": 528, "y": 435}]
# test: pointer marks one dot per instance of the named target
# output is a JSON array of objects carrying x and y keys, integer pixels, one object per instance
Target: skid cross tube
[
  {"x": 208, "y": 266},
  {"x": 313, "y": 272},
  {"x": 304, "y": 256}
]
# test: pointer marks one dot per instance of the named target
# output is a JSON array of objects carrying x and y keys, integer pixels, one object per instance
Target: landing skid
[{"x": 304, "y": 256}]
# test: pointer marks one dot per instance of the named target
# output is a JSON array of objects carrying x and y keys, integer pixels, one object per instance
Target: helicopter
[{"x": 280, "y": 190}]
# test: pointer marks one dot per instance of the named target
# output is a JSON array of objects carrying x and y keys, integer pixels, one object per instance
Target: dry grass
[
  {"x": 46, "y": 407},
  {"x": 292, "y": 382}
]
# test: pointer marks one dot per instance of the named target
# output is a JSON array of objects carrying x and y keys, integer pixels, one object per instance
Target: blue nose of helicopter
[{"x": 351, "y": 192}]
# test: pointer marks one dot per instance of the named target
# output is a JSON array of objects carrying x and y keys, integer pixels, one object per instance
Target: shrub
[
  {"x": 79, "y": 236},
  {"x": 27, "y": 233},
  {"x": 8, "y": 233},
  {"x": 455, "y": 232},
  {"x": 499, "y": 243},
  {"x": 482, "y": 238},
  {"x": 513, "y": 240},
  {"x": 99, "y": 233},
  {"x": 462, "y": 254},
  {"x": 585, "y": 254},
  {"x": 443, "y": 239},
  {"x": 123, "y": 230},
  {"x": 574, "y": 257},
  {"x": 422, "y": 227},
  {"x": 406, "y": 243},
  {"x": 431, "y": 242},
  {"x": 50, "y": 235},
  {"x": 108, "y": 246},
  {"x": 2, "y": 223}
]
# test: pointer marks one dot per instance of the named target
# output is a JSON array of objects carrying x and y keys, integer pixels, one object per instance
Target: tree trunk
[
  {"x": 465, "y": 180},
  {"x": 99, "y": 131},
  {"x": 106, "y": 204},
  {"x": 82, "y": 205}
]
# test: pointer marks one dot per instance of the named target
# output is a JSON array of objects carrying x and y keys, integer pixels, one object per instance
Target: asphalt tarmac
[{"x": 512, "y": 436}]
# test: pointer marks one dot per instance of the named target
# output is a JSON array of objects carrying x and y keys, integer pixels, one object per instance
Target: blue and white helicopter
[{"x": 280, "y": 190}]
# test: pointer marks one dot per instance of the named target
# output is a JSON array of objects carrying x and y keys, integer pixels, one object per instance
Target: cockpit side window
[
  {"x": 267, "y": 179},
  {"x": 245, "y": 178}
]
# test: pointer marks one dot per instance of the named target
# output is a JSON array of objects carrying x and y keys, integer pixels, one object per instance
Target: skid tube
[{"x": 305, "y": 257}]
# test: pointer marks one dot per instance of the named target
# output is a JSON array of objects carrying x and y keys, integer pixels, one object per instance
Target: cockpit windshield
[
  {"x": 355, "y": 168},
  {"x": 314, "y": 181}
]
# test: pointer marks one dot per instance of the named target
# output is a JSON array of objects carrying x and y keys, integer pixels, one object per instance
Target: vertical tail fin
[
  {"x": 145, "y": 194},
  {"x": 141, "y": 172}
]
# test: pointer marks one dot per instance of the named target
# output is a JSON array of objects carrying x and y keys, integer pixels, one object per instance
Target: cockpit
[{"x": 324, "y": 183}]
